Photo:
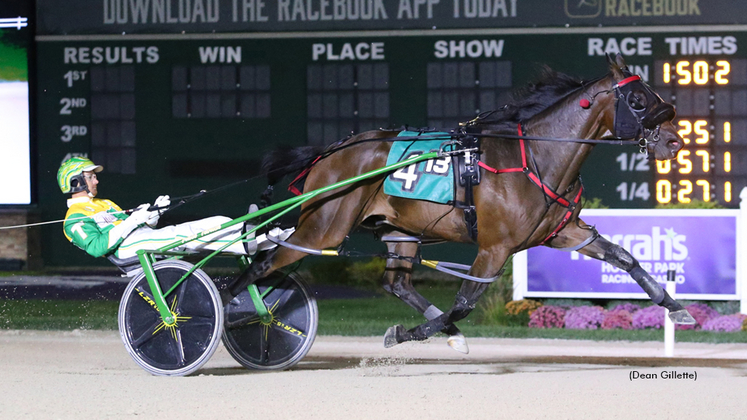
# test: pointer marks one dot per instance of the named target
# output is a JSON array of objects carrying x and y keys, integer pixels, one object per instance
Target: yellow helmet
[{"x": 70, "y": 175}]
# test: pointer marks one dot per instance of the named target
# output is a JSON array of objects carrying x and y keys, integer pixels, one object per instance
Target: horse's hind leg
[
  {"x": 398, "y": 281},
  {"x": 487, "y": 264},
  {"x": 617, "y": 256}
]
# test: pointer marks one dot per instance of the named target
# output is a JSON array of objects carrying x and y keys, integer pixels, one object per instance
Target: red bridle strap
[
  {"x": 524, "y": 167},
  {"x": 626, "y": 80},
  {"x": 292, "y": 186},
  {"x": 548, "y": 191}
]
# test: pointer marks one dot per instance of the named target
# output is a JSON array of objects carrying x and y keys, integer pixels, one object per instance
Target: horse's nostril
[{"x": 674, "y": 144}]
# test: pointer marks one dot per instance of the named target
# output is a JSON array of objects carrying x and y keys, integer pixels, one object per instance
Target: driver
[{"x": 100, "y": 227}]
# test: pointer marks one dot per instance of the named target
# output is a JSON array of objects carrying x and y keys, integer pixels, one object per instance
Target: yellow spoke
[
  {"x": 274, "y": 306},
  {"x": 173, "y": 332}
]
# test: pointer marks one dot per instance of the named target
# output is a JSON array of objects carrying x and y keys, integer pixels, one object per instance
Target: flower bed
[
  {"x": 617, "y": 319},
  {"x": 584, "y": 317},
  {"x": 626, "y": 316},
  {"x": 547, "y": 317}
]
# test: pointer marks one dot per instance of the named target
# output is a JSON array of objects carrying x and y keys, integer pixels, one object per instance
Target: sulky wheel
[
  {"x": 280, "y": 342},
  {"x": 184, "y": 347}
]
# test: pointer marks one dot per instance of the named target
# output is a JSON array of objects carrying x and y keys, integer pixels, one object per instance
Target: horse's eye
[{"x": 637, "y": 100}]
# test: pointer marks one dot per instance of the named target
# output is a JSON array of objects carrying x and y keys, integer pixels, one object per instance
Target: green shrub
[
  {"x": 492, "y": 311},
  {"x": 348, "y": 272},
  {"x": 693, "y": 204},
  {"x": 593, "y": 203},
  {"x": 367, "y": 272},
  {"x": 567, "y": 303},
  {"x": 330, "y": 271},
  {"x": 517, "y": 307},
  {"x": 492, "y": 307},
  {"x": 517, "y": 312}
]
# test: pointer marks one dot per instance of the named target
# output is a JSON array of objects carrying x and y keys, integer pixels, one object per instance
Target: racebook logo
[
  {"x": 583, "y": 8},
  {"x": 660, "y": 245}
]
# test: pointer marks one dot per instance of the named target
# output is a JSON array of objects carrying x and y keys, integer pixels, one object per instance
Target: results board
[
  {"x": 124, "y": 101},
  {"x": 175, "y": 113}
]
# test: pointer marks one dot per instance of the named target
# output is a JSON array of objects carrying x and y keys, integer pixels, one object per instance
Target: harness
[
  {"x": 467, "y": 175},
  {"x": 639, "y": 112},
  {"x": 548, "y": 191}
]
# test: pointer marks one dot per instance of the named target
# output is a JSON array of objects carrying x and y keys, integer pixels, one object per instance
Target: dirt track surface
[{"x": 89, "y": 375}]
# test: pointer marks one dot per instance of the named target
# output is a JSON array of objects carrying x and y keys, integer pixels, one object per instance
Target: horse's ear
[
  {"x": 617, "y": 65},
  {"x": 621, "y": 62},
  {"x": 610, "y": 60}
]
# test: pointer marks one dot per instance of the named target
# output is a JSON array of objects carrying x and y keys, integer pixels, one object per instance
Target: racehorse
[{"x": 536, "y": 204}]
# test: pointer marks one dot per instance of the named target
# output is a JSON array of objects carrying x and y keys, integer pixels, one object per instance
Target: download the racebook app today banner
[{"x": 700, "y": 246}]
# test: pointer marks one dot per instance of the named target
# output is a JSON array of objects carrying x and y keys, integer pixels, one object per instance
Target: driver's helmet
[{"x": 70, "y": 175}]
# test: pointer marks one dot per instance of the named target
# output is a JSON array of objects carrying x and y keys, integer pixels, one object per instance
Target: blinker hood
[{"x": 636, "y": 107}]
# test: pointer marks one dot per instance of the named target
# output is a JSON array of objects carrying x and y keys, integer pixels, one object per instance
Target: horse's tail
[{"x": 281, "y": 162}]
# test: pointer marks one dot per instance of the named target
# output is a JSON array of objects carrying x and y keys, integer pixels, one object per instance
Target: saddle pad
[{"x": 430, "y": 180}]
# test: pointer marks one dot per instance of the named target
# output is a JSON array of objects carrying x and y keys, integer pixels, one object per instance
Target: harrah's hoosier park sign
[{"x": 700, "y": 246}]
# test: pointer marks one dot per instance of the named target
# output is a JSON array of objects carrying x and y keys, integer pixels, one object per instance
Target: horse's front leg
[
  {"x": 617, "y": 256},
  {"x": 488, "y": 264}
]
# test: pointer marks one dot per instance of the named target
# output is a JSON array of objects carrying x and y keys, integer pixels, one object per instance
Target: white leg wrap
[{"x": 432, "y": 313}]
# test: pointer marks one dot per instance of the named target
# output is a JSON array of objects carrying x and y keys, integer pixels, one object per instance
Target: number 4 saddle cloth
[{"x": 430, "y": 180}]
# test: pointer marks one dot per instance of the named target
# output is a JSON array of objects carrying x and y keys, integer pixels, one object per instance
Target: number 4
[{"x": 408, "y": 176}]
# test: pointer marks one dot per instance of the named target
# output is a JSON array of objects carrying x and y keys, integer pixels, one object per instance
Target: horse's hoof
[
  {"x": 392, "y": 336},
  {"x": 682, "y": 317},
  {"x": 458, "y": 342}
]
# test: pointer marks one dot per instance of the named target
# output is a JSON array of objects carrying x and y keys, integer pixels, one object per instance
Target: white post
[
  {"x": 520, "y": 275},
  {"x": 668, "y": 324},
  {"x": 742, "y": 251}
]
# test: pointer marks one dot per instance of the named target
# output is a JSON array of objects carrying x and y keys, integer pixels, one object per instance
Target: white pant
[{"x": 152, "y": 239}]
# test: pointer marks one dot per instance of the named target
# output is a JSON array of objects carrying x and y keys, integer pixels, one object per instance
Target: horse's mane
[
  {"x": 528, "y": 101},
  {"x": 525, "y": 102}
]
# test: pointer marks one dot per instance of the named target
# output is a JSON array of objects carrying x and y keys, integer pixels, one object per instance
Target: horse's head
[{"x": 641, "y": 114}]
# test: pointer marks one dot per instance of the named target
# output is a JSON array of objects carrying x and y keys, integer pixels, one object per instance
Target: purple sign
[{"x": 701, "y": 250}]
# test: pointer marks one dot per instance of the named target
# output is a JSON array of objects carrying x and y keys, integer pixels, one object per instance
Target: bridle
[{"x": 639, "y": 112}]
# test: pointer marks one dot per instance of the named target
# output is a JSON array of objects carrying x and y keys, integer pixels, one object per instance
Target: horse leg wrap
[
  {"x": 620, "y": 258},
  {"x": 440, "y": 323},
  {"x": 426, "y": 330},
  {"x": 462, "y": 307},
  {"x": 649, "y": 285},
  {"x": 255, "y": 271},
  {"x": 432, "y": 312},
  {"x": 677, "y": 313}
]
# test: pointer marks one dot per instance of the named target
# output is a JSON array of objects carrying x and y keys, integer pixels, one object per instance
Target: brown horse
[{"x": 513, "y": 212}]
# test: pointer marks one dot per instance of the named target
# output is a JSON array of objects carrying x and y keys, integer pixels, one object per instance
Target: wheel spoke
[
  {"x": 246, "y": 320},
  {"x": 277, "y": 306},
  {"x": 288, "y": 329},
  {"x": 147, "y": 295},
  {"x": 179, "y": 297},
  {"x": 148, "y": 334},
  {"x": 264, "y": 344},
  {"x": 177, "y": 344},
  {"x": 197, "y": 322},
  {"x": 193, "y": 319}
]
